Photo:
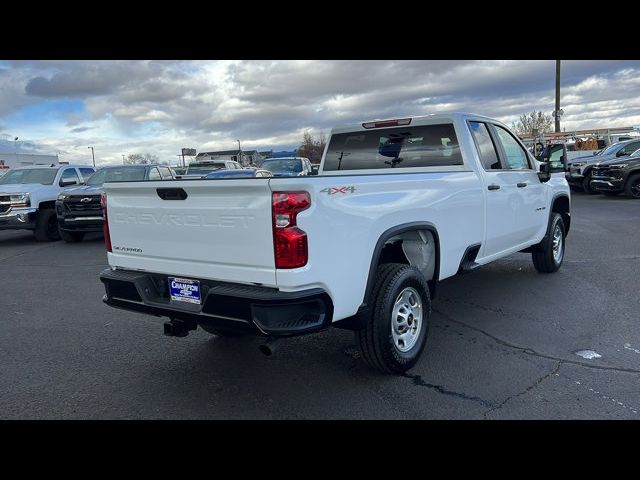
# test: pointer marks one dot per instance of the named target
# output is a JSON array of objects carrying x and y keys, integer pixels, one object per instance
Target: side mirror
[
  {"x": 544, "y": 155},
  {"x": 314, "y": 169},
  {"x": 545, "y": 172},
  {"x": 67, "y": 183}
]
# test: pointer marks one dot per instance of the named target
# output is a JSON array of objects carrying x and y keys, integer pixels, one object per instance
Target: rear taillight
[
  {"x": 289, "y": 242},
  {"x": 105, "y": 225}
]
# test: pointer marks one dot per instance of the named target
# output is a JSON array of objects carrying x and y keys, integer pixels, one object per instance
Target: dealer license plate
[{"x": 184, "y": 289}]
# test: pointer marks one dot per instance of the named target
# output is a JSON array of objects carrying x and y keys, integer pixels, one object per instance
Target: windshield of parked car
[
  {"x": 611, "y": 149},
  {"x": 44, "y": 176},
  {"x": 204, "y": 169},
  {"x": 121, "y": 174},
  {"x": 283, "y": 165}
]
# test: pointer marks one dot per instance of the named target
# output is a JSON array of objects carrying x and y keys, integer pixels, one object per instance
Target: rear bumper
[
  {"x": 18, "y": 219},
  {"x": 227, "y": 306}
]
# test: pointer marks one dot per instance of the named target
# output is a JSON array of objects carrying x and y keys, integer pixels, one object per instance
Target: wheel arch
[
  {"x": 562, "y": 205},
  {"x": 394, "y": 232},
  {"x": 50, "y": 204}
]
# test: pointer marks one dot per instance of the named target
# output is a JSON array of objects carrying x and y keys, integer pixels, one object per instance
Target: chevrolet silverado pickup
[
  {"x": 28, "y": 196},
  {"x": 397, "y": 206},
  {"x": 580, "y": 169},
  {"x": 619, "y": 175}
]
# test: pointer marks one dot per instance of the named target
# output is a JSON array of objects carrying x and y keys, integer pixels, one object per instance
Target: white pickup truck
[
  {"x": 28, "y": 197},
  {"x": 397, "y": 206}
]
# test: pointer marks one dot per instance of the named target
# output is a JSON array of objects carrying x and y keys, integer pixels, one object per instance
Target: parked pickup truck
[
  {"x": 619, "y": 175},
  {"x": 28, "y": 195},
  {"x": 580, "y": 169},
  {"x": 398, "y": 205},
  {"x": 79, "y": 209}
]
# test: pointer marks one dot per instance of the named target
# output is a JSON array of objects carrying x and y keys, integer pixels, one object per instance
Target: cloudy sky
[{"x": 158, "y": 107}]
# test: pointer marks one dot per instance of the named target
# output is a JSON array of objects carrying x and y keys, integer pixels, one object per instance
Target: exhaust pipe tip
[{"x": 270, "y": 346}]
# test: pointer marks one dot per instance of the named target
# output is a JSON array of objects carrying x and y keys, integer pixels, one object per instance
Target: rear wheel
[
  {"x": 46, "y": 226},
  {"x": 71, "y": 237},
  {"x": 396, "y": 331},
  {"x": 632, "y": 188},
  {"x": 548, "y": 255}
]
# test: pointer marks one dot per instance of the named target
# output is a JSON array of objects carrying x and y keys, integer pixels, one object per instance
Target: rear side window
[
  {"x": 486, "y": 148},
  {"x": 154, "y": 174},
  {"x": 405, "y": 147}
]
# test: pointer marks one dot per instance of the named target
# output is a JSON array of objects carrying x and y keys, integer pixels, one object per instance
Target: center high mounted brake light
[
  {"x": 387, "y": 123},
  {"x": 289, "y": 242}
]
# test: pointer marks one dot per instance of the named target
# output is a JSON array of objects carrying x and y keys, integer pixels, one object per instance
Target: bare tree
[
  {"x": 143, "y": 158},
  {"x": 312, "y": 148},
  {"x": 535, "y": 121}
]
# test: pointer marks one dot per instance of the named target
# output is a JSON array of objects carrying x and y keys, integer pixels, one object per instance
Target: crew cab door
[
  {"x": 527, "y": 193},
  {"x": 512, "y": 189}
]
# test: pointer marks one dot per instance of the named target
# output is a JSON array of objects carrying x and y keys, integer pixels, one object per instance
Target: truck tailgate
[{"x": 221, "y": 230}]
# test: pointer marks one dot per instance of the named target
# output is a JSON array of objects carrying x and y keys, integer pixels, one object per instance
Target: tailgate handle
[{"x": 171, "y": 193}]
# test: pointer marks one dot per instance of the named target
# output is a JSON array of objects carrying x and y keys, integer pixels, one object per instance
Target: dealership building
[{"x": 16, "y": 160}]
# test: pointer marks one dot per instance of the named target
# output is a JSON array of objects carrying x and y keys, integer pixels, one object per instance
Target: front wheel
[
  {"x": 586, "y": 185},
  {"x": 46, "y": 226},
  {"x": 396, "y": 331},
  {"x": 549, "y": 253},
  {"x": 632, "y": 188}
]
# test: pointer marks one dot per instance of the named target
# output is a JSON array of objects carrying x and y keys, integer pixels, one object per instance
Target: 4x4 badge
[{"x": 334, "y": 190}]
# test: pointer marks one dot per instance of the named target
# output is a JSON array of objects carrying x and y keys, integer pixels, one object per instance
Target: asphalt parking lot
[{"x": 502, "y": 344}]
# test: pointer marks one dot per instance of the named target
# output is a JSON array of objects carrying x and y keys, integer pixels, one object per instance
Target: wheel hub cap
[
  {"x": 557, "y": 244},
  {"x": 406, "y": 319}
]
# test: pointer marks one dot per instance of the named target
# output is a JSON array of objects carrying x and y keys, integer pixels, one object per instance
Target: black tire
[
  {"x": 221, "y": 333},
  {"x": 543, "y": 254},
  {"x": 632, "y": 187},
  {"x": 587, "y": 187},
  {"x": 375, "y": 339},
  {"x": 46, "y": 226},
  {"x": 71, "y": 237}
]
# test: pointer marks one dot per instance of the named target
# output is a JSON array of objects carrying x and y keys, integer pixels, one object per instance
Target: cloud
[
  {"x": 161, "y": 106},
  {"x": 82, "y": 129}
]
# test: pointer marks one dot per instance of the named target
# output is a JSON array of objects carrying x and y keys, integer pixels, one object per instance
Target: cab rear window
[{"x": 403, "y": 147}]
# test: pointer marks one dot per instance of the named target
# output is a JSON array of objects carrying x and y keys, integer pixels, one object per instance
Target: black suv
[
  {"x": 616, "y": 176},
  {"x": 79, "y": 210}
]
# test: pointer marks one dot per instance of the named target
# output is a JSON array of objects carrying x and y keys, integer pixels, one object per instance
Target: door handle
[
  {"x": 522, "y": 185},
  {"x": 494, "y": 187}
]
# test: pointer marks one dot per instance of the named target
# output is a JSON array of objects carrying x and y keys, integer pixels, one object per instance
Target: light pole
[
  {"x": 239, "y": 153},
  {"x": 123, "y": 158},
  {"x": 15, "y": 148},
  {"x": 93, "y": 156},
  {"x": 558, "y": 111}
]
